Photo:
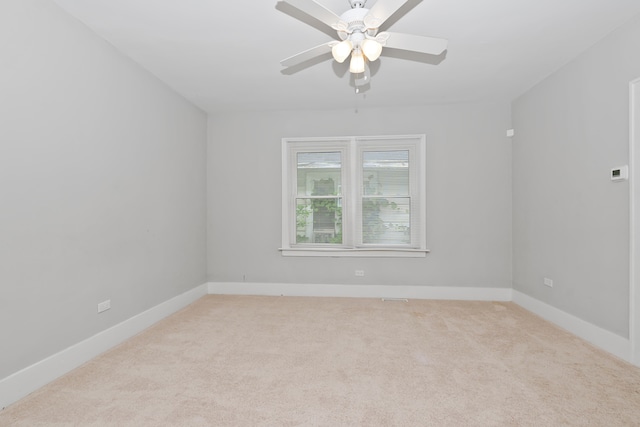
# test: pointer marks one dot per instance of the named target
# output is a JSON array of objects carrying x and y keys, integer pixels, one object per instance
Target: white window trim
[{"x": 417, "y": 143}]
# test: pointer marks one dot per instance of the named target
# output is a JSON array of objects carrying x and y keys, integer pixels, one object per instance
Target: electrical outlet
[
  {"x": 548, "y": 282},
  {"x": 104, "y": 306},
  {"x": 360, "y": 273}
]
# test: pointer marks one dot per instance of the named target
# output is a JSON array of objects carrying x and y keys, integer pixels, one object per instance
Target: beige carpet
[{"x": 282, "y": 361}]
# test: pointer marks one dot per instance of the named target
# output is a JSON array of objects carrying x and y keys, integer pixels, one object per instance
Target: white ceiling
[{"x": 224, "y": 55}]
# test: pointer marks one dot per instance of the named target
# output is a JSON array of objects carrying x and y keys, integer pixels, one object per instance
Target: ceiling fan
[{"x": 357, "y": 31}]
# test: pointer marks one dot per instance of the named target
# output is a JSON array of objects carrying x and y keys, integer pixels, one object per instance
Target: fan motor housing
[{"x": 355, "y": 18}]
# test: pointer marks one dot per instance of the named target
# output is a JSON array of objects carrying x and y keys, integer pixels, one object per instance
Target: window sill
[{"x": 357, "y": 252}]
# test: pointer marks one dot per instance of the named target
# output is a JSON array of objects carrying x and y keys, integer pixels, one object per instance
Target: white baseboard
[
  {"x": 361, "y": 291},
  {"x": 31, "y": 378},
  {"x": 608, "y": 341}
]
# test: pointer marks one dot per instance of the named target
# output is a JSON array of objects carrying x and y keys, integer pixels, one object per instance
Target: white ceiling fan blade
[
  {"x": 429, "y": 45},
  {"x": 315, "y": 9},
  {"x": 381, "y": 11},
  {"x": 308, "y": 54}
]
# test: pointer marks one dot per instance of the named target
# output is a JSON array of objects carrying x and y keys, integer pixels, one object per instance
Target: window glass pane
[
  {"x": 386, "y": 220},
  {"x": 385, "y": 173},
  {"x": 319, "y": 220},
  {"x": 319, "y": 174}
]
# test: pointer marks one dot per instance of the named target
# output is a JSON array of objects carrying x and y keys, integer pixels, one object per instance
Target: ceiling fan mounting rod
[{"x": 357, "y": 3}]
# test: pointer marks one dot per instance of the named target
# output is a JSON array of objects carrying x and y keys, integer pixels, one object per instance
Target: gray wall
[
  {"x": 102, "y": 185},
  {"x": 468, "y": 196},
  {"x": 571, "y": 223}
]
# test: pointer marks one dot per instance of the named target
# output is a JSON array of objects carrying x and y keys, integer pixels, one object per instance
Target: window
[{"x": 354, "y": 196}]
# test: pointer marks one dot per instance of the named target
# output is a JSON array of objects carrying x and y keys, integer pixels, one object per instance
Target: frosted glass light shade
[
  {"x": 357, "y": 62},
  {"x": 371, "y": 49},
  {"x": 341, "y": 51}
]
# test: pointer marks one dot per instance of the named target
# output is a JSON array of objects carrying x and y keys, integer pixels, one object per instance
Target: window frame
[{"x": 352, "y": 149}]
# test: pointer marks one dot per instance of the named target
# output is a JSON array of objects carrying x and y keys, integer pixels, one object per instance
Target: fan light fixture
[
  {"x": 342, "y": 50},
  {"x": 357, "y": 62},
  {"x": 357, "y": 39},
  {"x": 370, "y": 48}
]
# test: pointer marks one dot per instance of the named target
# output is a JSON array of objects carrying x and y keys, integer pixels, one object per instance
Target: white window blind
[
  {"x": 319, "y": 198},
  {"x": 354, "y": 196},
  {"x": 385, "y": 214}
]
